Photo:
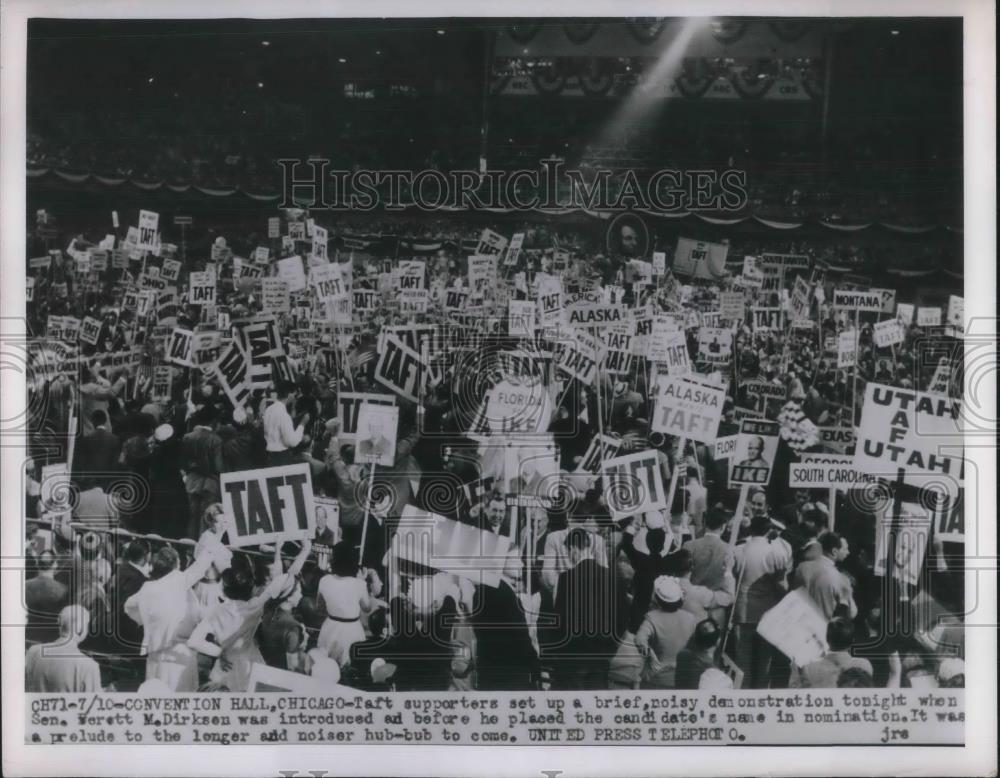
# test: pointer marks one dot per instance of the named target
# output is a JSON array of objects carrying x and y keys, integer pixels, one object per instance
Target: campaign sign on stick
[
  {"x": 514, "y": 249},
  {"x": 550, "y": 302},
  {"x": 149, "y": 222},
  {"x": 888, "y": 299},
  {"x": 520, "y": 405},
  {"x": 349, "y": 410},
  {"x": 905, "y": 313},
  {"x": 668, "y": 347},
  {"x": 521, "y": 318},
  {"x": 491, "y": 242},
  {"x": 327, "y": 282},
  {"x": 577, "y": 354},
  {"x": 90, "y": 330},
  {"x": 837, "y": 439},
  {"x": 911, "y": 435},
  {"x": 715, "y": 345},
  {"x": 270, "y": 505},
  {"x": 171, "y": 269},
  {"x": 854, "y": 300},
  {"x": 796, "y": 626},
  {"x": 232, "y": 373},
  {"x": 260, "y": 341},
  {"x": 956, "y": 313},
  {"x": 274, "y": 295},
  {"x": 755, "y": 450},
  {"x": 826, "y": 471},
  {"x": 928, "y": 317},
  {"x": 633, "y": 484},
  {"x": 179, "y": 347},
  {"x": 399, "y": 368},
  {"x": 688, "y": 408},
  {"x": 202, "y": 288},
  {"x": 847, "y": 348},
  {"x": 913, "y": 525},
  {"x": 725, "y": 447},
  {"x": 376, "y": 434},
  {"x": 888, "y": 333},
  {"x": 319, "y": 242},
  {"x": 618, "y": 351},
  {"x": 591, "y": 461},
  {"x": 732, "y": 305},
  {"x": 290, "y": 269}
]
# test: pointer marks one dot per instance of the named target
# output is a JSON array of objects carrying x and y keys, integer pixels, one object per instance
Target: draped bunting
[{"x": 718, "y": 220}]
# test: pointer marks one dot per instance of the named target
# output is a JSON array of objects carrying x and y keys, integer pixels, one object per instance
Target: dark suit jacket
[
  {"x": 97, "y": 453},
  {"x": 201, "y": 458},
  {"x": 592, "y": 612},
  {"x": 127, "y": 581},
  {"x": 44, "y": 598}
]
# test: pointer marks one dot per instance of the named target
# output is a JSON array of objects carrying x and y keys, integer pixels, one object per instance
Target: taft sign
[
  {"x": 913, "y": 435},
  {"x": 633, "y": 484},
  {"x": 688, "y": 408},
  {"x": 269, "y": 505}
]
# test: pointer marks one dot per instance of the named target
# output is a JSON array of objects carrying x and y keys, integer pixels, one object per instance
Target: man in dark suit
[
  {"x": 130, "y": 575},
  {"x": 591, "y": 612},
  {"x": 44, "y": 598},
  {"x": 201, "y": 460},
  {"x": 96, "y": 455}
]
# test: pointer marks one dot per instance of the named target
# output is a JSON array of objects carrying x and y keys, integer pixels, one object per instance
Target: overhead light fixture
[
  {"x": 265, "y": 43},
  {"x": 149, "y": 80},
  {"x": 440, "y": 32},
  {"x": 341, "y": 60},
  {"x": 260, "y": 84},
  {"x": 895, "y": 32}
]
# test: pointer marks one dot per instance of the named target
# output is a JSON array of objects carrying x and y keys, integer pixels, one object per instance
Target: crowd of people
[{"x": 134, "y": 580}]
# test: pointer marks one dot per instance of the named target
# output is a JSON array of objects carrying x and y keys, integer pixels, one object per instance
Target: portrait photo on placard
[{"x": 376, "y": 436}]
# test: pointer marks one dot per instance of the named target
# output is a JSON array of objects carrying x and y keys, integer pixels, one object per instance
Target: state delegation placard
[
  {"x": 688, "y": 408},
  {"x": 911, "y": 435}
]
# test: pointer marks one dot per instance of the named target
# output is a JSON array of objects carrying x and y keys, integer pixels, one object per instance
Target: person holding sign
[
  {"x": 827, "y": 586},
  {"x": 762, "y": 565},
  {"x": 227, "y": 631},
  {"x": 280, "y": 433}
]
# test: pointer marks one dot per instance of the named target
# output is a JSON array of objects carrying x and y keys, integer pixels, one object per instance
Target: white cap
[
  {"x": 163, "y": 432},
  {"x": 667, "y": 590}
]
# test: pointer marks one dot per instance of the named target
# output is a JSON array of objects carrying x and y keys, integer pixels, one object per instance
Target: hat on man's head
[
  {"x": 163, "y": 433},
  {"x": 667, "y": 590}
]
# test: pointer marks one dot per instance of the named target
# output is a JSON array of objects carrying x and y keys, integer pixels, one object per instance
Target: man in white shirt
[
  {"x": 280, "y": 433},
  {"x": 762, "y": 566},
  {"x": 168, "y": 612}
]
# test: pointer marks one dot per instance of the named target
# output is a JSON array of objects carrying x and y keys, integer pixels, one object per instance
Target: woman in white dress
[
  {"x": 344, "y": 596},
  {"x": 232, "y": 624}
]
